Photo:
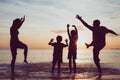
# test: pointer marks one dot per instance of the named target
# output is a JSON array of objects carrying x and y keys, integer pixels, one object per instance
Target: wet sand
[{"x": 40, "y": 71}]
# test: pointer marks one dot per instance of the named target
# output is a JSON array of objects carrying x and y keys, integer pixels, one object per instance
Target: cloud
[
  {"x": 5, "y": 1},
  {"x": 3, "y": 35},
  {"x": 115, "y": 5},
  {"x": 65, "y": 31},
  {"x": 59, "y": 31},
  {"x": 80, "y": 28},
  {"x": 42, "y": 9},
  {"x": 4, "y": 31},
  {"x": 115, "y": 16}
]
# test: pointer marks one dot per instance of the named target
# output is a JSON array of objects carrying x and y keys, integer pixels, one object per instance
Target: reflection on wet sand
[{"x": 36, "y": 71}]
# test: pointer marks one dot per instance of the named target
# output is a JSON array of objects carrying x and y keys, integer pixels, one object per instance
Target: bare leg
[
  {"x": 53, "y": 66},
  {"x": 74, "y": 63},
  {"x": 58, "y": 67},
  {"x": 96, "y": 59},
  {"x": 25, "y": 54},
  {"x": 70, "y": 65},
  {"x": 14, "y": 53},
  {"x": 13, "y": 65}
]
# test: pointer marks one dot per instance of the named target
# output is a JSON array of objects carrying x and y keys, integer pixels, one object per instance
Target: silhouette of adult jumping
[
  {"x": 99, "y": 38},
  {"x": 72, "y": 50},
  {"x": 16, "y": 43}
]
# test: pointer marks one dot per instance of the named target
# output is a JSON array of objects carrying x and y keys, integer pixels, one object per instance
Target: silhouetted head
[
  {"x": 96, "y": 23},
  {"x": 16, "y": 23},
  {"x": 73, "y": 33},
  {"x": 59, "y": 38}
]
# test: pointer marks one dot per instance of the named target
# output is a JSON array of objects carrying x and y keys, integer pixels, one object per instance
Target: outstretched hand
[
  {"x": 66, "y": 40},
  {"x": 23, "y": 19},
  {"x": 78, "y": 17},
  {"x": 51, "y": 40}
]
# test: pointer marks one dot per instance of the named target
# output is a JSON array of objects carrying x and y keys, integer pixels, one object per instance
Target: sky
[{"x": 45, "y": 19}]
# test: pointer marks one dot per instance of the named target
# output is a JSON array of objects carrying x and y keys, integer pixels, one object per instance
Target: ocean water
[{"x": 83, "y": 56}]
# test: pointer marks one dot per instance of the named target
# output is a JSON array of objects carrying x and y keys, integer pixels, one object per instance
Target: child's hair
[
  {"x": 59, "y": 38},
  {"x": 73, "y": 32}
]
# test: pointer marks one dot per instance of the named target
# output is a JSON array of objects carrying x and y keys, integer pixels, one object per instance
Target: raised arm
[
  {"x": 50, "y": 43},
  {"x": 83, "y": 22},
  {"x": 66, "y": 42},
  {"x": 112, "y": 32},
  {"x": 75, "y": 30},
  {"x": 22, "y": 20},
  {"x": 68, "y": 30}
]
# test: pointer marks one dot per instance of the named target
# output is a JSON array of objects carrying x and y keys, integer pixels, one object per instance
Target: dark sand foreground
[{"x": 40, "y": 71}]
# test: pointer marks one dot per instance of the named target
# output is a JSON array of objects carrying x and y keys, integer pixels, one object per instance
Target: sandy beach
[{"x": 40, "y": 71}]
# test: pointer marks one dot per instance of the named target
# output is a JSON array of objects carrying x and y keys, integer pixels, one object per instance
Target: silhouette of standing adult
[
  {"x": 16, "y": 43},
  {"x": 99, "y": 39},
  {"x": 72, "y": 51}
]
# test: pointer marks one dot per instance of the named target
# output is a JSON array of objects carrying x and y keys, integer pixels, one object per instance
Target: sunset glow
[{"x": 45, "y": 19}]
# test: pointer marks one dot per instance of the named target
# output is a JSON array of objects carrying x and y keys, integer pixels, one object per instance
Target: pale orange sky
[{"x": 47, "y": 19}]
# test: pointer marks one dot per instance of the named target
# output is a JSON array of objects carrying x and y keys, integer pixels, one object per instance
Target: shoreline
[{"x": 42, "y": 70}]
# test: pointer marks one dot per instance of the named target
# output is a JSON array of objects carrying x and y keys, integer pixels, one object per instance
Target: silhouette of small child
[
  {"x": 72, "y": 50},
  {"x": 58, "y": 51}
]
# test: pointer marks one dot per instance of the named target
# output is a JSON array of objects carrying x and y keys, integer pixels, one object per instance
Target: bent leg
[{"x": 24, "y": 46}]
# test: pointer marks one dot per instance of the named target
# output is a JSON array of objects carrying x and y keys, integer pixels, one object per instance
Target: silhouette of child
[
  {"x": 58, "y": 51},
  {"x": 72, "y": 52},
  {"x": 16, "y": 43}
]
